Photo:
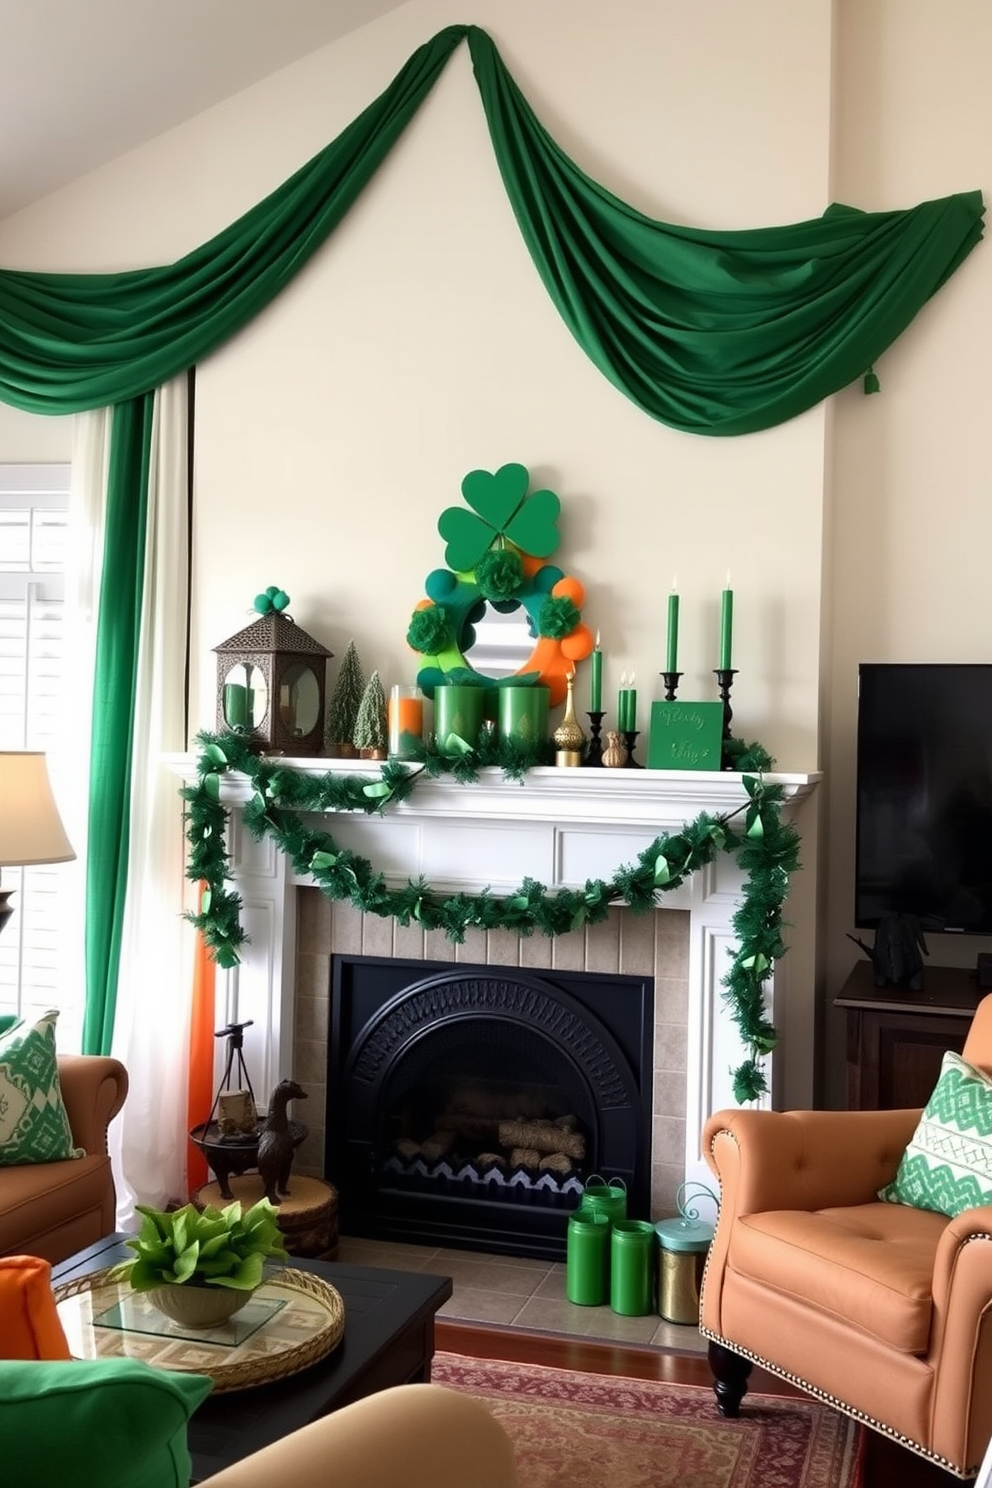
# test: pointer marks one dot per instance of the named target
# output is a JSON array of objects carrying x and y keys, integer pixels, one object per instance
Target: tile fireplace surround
[{"x": 560, "y": 827}]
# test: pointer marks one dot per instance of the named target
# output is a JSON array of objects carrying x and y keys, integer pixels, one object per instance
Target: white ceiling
[{"x": 83, "y": 81}]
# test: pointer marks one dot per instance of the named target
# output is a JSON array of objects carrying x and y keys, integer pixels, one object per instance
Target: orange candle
[{"x": 405, "y": 716}]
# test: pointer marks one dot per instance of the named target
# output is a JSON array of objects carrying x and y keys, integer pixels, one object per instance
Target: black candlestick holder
[
  {"x": 630, "y": 739},
  {"x": 671, "y": 681},
  {"x": 725, "y": 681},
  {"x": 594, "y": 749}
]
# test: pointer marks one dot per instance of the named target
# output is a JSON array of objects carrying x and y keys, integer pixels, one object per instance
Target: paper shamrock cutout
[
  {"x": 274, "y": 598},
  {"x": 501, "y": 508}
]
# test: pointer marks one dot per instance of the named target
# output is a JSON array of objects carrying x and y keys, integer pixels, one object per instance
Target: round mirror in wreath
[{"x": 497, "y": 549}]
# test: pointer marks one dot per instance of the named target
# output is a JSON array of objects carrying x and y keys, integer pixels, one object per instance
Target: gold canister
[{"x": 682, "y": 1248}]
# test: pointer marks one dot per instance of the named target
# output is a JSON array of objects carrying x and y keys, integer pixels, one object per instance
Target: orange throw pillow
[{"x": 30, "y": 1327}]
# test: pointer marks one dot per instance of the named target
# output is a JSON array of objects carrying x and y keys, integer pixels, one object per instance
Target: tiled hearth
[
  {"x": 654, "y": 945},
  {"x": 517, "y": 1292}
]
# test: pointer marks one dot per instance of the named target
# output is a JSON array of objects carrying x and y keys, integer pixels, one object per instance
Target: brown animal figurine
[{"x": 276, "y": 1142}]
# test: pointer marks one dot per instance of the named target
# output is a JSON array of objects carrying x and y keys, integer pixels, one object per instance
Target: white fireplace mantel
[{"x": 561, "y": 827}]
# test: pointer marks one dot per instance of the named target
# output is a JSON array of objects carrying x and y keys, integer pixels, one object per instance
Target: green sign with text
[{"x": 685, "y": 736}]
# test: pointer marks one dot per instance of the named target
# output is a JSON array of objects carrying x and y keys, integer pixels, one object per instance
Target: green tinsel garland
[{"x": 765, "y": 847}]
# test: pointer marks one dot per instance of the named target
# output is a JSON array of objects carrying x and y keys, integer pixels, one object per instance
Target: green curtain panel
[
  {"x": 118, "y": 639},
  {"x": 715, "y": 333}
]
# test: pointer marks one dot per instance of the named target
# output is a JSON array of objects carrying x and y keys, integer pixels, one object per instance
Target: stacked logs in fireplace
[{"x": 536, "y": 1146}]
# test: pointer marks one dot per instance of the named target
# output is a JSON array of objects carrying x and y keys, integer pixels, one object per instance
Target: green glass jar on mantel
[
  {"x": 458, "y": 714},
  {"x": 523, "y": 715}
]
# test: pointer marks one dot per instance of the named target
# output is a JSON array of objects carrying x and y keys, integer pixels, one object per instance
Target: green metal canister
[
  {"x": 587, "y": 1259},
  {"x": 600, "y": 1197},
  {"x": 632, "y": 1267}
]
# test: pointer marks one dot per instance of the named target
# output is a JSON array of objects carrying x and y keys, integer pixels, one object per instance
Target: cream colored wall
[
  {"x": 332, "y": 433},
  {"x": 29, "y": 439},
  {"x": 912, "y": 490}
]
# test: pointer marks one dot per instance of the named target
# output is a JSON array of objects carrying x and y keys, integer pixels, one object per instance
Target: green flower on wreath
[
  {"x": 558, "y": 617},
  {"x": 430, "y": 630},
  {"x": 499, "y": 574},
  {"x": 501, "y": 512}
]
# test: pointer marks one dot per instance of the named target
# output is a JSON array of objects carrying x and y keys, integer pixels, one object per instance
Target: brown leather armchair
[
  {"x": 882, "y": 1310},
  {"x": 54, "y": 1209}
]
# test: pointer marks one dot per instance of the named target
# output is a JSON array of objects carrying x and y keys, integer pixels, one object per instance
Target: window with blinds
[{"x": 34, "y": 502}]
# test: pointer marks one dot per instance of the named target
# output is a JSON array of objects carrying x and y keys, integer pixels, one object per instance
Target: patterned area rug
[{"x": 573, "y": 1430}]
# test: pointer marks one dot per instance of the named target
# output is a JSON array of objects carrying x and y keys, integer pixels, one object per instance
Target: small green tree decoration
[
  {"x": 370, "y": 725},
  {"x": 345, "y": 701}
]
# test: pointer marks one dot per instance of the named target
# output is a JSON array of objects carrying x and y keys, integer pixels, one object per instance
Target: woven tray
[{"x": 293, "y": 1320}]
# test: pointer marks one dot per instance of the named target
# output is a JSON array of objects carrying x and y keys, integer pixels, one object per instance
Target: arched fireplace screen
[{"x": 468, "y": 1105}]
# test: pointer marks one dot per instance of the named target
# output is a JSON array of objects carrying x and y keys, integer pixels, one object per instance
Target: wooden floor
[{"x": 887, "y": 1465}]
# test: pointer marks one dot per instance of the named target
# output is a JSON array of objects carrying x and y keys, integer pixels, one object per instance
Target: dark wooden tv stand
[{"x": 896, "y": 1038}]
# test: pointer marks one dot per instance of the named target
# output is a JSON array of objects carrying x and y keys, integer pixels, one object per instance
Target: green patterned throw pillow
[
  {"x": 947, "y": 1166},
  {"x": 34, "y": 1127}
]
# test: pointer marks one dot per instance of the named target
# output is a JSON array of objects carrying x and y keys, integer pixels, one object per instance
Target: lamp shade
[{"x": 31, "y": 829}]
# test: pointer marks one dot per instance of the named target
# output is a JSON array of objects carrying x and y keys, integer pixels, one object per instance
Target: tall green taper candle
[
  {"x": 672, "y": 661},
  {"x": 726, "y": 628},
  {"x": 596, "y": 680}
]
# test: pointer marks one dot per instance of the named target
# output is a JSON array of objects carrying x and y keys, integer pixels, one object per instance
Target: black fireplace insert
[{"x": 468, "y": 1105}]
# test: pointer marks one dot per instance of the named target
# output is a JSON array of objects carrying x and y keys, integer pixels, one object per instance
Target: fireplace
[
  {"x": 563, "y": 827},
  {"x": 468, "y": 1104}
]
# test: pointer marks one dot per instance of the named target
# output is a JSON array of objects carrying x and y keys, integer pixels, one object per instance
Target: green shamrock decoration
[
  {"x": 501, "y": 510},
  {"x": 274, "y": 598}
]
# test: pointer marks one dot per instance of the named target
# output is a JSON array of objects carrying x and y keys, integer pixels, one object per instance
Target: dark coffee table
[{"x": 388, "y": 1340}]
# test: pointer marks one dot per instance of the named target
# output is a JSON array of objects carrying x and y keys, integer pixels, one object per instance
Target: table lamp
[{"x": 31, "y": 829}]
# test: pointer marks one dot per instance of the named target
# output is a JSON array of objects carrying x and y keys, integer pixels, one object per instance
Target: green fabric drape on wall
[
  {"x": 118, "y": 639},
  {"x": 713, "y": 333},
  {"x": 719, "y": 332}
]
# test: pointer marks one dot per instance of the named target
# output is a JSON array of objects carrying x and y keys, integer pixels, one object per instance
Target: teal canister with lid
[{"x": 682, "y": 1248}]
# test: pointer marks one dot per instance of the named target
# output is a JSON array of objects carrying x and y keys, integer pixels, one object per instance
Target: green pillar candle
[
  {"x": 672, "y": 658},
  {"x": 726, "y": 628},
  {"x": 235, "y": 705},
  {"x": 523, "y": 715},
  {"x": 457, "y": 714}
]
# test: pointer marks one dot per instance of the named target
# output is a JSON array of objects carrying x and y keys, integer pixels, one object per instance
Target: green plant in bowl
[{"x": 215, "y": 1251}]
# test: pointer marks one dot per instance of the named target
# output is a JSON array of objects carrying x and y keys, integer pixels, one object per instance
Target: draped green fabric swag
[
  {"x": 711, "y": 332},
  {"x": 716, "y": 333}
]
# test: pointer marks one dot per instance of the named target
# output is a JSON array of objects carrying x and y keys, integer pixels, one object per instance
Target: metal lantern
[{"x": 271, "y": 680}]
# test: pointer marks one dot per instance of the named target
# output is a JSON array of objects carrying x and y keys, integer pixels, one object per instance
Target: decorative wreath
[{"x": 496, "y": 553}]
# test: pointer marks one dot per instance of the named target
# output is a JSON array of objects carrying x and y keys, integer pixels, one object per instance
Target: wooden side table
[
  {"x": 896, "y": 1038},
  {"x": 308, "y": 1218}
]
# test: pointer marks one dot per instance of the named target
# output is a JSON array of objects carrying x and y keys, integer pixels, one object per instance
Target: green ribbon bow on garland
[{"x": 767, "y": 851}]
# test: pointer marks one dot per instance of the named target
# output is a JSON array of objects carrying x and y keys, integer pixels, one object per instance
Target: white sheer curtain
[
  {"x": 151, "y": 1026},
  {"x": 70, "y": 759}
]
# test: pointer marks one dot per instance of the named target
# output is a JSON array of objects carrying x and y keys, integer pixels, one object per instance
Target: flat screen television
[{"x": 924, "y": 795}]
